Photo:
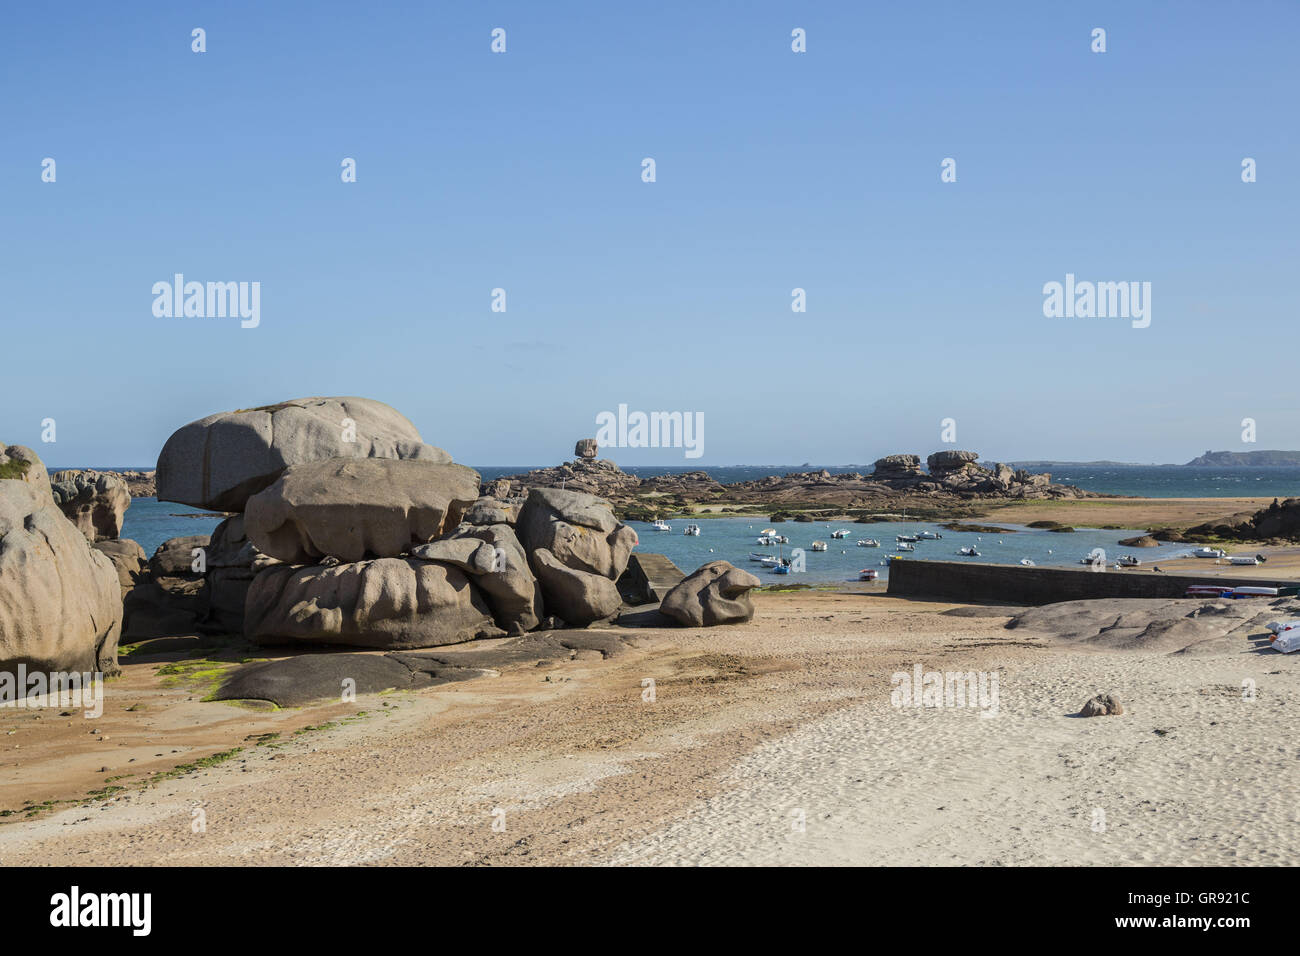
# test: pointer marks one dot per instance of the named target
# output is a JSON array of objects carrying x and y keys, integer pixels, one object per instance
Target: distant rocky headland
[
  {"x": 1248, "y": 459},
  {"x": 896, "y": 482}
]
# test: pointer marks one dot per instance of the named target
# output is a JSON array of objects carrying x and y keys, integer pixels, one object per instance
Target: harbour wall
[{"x": 1014, "y": 584}]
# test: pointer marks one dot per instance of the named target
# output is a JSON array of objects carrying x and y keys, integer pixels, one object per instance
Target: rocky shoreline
[
  {"x": 344, "y": 530},
  {"x": 897, "y": 482}
]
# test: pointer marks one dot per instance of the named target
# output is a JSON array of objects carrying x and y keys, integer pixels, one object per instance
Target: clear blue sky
[{"x": 775, "y": 170}]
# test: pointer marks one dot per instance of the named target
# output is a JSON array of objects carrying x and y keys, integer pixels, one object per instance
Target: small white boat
[
  {"x": 1208, "y": 553},
  {"x": 1128, "y": 561},
  {"x": 766, "y": 541},
  {"x": 781, "y": 539},
  {"x": 662, "y": 525},
  {"x": 908, "y": 538},
  {"x": 1027, "y": 563},
  {"x": 968, "y": 552},
  {"x": 692, "y": 529},
  {"x": 819, "y": 545},
  {"x": 1243, "y": 559},
  {"x": 768, "y": 531},
  {"x": 868, "y": 574},
  {"x": 904, "y": 546},
  {"x": 772, "y": 560},
  {"x": 868, "y": 543},
  {"x": 929, "y": 535},
  {"x": 842, "y": 533},
  {"x": 755, "y": 556}
]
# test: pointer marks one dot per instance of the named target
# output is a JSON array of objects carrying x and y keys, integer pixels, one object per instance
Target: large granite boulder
[
  {"x": 219, "y": 461},
  {"x": 578, "y": 529},
  {"x": 716, "y": 593},
  {"x": 356, "y": 508},
  {"x": 586, "y": 448},
  {"x": 60, "y": 601},
  {"x": 943, "y": 462},
  {"x": 20, "y": 463},
  {"x": 510, "y": 587},
  {"x": 896, "y": 467},
  {"x": 577, "y": 597},
  {"x": 493, "y": 511},
  {"x": 95, "y": 501},
  {"x": 387, "y": 603}
]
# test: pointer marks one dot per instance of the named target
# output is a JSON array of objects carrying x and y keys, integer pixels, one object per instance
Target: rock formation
[
  {"x": 60, "y": 600},
  {"x": 387, "y": 603},
  {"x": 95, "y": 501},
  {"x": 351, "y": 509},
  {"x": 577, "y": 549},
  {"x": 219, "y": 461},
  {"x": 716, "y": 593},
  {"x": 586, "y": 448}
]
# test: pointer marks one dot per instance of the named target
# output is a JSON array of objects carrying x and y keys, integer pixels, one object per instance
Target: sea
[{"x": 151, "y": 522}]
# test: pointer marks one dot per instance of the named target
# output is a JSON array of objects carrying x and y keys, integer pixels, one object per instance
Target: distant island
[{"x": 1248, "y": 459}]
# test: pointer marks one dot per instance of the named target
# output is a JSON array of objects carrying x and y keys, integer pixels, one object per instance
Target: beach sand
[{"x": 753, "y": 729}]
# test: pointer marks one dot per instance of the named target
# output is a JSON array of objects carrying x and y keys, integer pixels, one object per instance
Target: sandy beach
[{"x": 770, "y": 742}]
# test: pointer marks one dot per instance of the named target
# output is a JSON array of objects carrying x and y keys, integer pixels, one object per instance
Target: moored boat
[
  {"x": 819, "y": 545},
  {"x": 868, "y": 574}
]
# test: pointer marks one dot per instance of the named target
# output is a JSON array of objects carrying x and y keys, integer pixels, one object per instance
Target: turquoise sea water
[{"x": 150, "y": 522}]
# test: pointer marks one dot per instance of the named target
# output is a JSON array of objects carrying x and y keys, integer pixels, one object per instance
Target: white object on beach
[
  {"x": 1208, "y": 553},
  {"x": 1288, "y": 642},
  {"x": 1242, "y": 559}
]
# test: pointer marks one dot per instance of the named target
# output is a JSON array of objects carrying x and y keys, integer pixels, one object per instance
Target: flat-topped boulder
[
  {"x": 386, "y": 603},
  {"x": 715, "y": 593},
  {"x": 357, "y": 508},
  {"x": 95, "y": 501},
  {"x": 60, "y": 600},
  {"x": 218, "y": 462},
  {"x": 893, "y": 467}
]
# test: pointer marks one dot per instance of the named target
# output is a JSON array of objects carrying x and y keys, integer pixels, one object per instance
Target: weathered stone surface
[
  {"x": 128, "y": 559},
  {"x": 577, "y": 597},
  {"x": 300, "y": 680},
  {"x": 60, "y": 600},
  {"x": 942, "y": 461},
  {"x": 578, "y": 529},
  {"x": 351, "y": 509},
  {"x": 219, "y": 461},
  {"x": 175, "y": 556},
  {"x": 95, "y": 501},
  {"x": 230, "y": 571},
  {"x": 20, "y": 463},
  {"x": 512, "y": 590},
  {"x": 716, "y": 593},
  {"x": 493, "y": 511},
  {"x": 387, "y": 603},
  {"x": 586, "y": 448},
  {"x": 1103, "y": 705},
  {"x": 893, "y": 467}
]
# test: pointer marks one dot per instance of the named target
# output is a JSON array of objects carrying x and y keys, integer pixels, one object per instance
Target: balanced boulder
[
  {"x": 219, "y": 461},
  {"x": 356, "y": 508},
  {"x": 717, "y": 593},
  {"x": 95, "y": 501},
  {"x": 387, "y": 603},
  {"x": 60, "y": 601}
]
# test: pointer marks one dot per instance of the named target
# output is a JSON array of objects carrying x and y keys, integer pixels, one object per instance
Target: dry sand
[{"x": 749, "y": 725}]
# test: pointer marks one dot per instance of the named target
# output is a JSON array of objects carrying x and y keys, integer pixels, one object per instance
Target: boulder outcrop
[
  {"x": 352, "y": 509},
  {"x": 60, "y": 600},
  {"x": 715, "y": 593},
  {"x": 385, "y": 603},
  {"x": 95, "y": 501},
  {"x": 577, "y": 597},
  {"x": 218, "y": 462}
]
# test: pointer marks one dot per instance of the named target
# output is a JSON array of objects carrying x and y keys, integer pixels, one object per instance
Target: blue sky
[{"x": 775, "y": 170}]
